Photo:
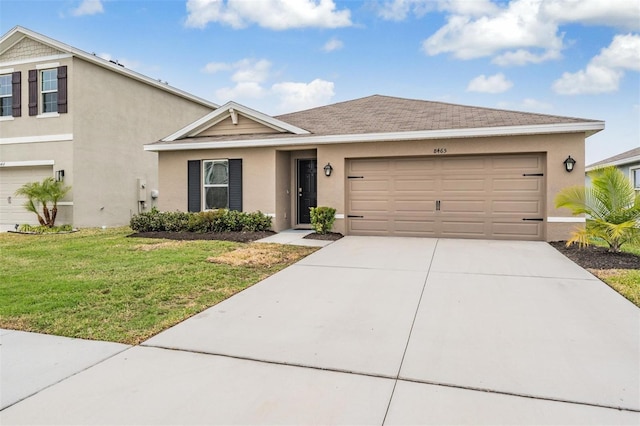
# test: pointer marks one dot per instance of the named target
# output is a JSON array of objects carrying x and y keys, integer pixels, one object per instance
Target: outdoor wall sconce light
[
  {"x": 328, "y": 169},
  {"x": 569, "y": 163},
  {"x": 59, "y": 175}
]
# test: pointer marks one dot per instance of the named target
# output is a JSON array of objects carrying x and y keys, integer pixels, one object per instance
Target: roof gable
[
  {"x": 26, "y": 48},
  {"x": 232, "y": 119},
  {"x": 19, "y": 37}
]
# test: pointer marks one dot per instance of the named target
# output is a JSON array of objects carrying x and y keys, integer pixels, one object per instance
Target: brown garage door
[{"x": 494, "y": 197}]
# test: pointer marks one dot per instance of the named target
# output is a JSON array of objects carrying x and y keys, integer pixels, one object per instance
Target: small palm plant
[
  {"x": 46, "y": 193},
  {"x": 611, "y": 205}
]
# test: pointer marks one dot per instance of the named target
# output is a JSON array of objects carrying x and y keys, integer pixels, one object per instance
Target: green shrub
[
  {"x": 322, "y": 219},
  {"x": 221, "y": 220},
  {"x": 45, "y": 229}
]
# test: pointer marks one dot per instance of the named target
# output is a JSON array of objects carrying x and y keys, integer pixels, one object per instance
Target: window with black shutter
[
  {"x": 16, "y": 91},
  {"x": 194, "y": 186},
  {"x": 33, "y": 92},
  {"x": 62, "y": 89}
]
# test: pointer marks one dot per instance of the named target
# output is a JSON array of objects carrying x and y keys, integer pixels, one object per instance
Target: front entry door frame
[{"x": 306, "y": 188}]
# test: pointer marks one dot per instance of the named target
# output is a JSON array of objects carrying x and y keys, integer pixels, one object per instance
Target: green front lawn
[
  {"x": 99, "y": 284},
  {"x": 624, "y": 281}
]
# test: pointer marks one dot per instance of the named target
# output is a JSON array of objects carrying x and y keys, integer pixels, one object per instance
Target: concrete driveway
[{"x": 379, "y": 331}]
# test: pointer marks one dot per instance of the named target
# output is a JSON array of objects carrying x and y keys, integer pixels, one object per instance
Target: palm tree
[
  {"x": 47, "y": 191},
  {"x": 611, "y": 205}
]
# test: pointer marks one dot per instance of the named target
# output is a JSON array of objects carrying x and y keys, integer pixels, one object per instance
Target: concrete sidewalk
[{"x": 379, "y": 331}]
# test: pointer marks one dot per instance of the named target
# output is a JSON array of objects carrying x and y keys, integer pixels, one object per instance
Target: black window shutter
[
  {"x": 194, "y": 186},
  {"x": 33, "y": 92},
  {"x": 235, "y": 184},
  {"x": 62, "y": 89},
  {"x": 16, "y": 94}
]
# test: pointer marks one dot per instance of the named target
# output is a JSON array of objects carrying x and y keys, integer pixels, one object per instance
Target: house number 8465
[{"x": 440, "y": 150}]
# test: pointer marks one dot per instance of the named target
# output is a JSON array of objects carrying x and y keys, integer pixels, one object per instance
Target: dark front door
[{"x": 307, "y": 192}]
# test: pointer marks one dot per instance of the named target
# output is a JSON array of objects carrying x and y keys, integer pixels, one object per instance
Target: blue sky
[{"x": 565, "y": 57}]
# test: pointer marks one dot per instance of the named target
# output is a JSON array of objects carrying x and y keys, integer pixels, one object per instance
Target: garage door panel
[
  {"x": 517, "y": 185},
  {"x": 416, "y": 185},
  {"x": 524, "y": 207},
  {"x": 519, "y": 230},
  {"x": 479, "y": 197}
]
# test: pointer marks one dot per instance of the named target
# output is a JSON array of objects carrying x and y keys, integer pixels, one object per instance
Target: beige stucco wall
[{"x": 265, "y": 188}]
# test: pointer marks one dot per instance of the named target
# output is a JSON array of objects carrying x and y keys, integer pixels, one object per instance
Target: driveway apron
[{"x": 375, "y": 330}]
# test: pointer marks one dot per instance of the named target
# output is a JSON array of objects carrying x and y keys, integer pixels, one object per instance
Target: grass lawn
[
  {"x": 624, "y": 281},
  {"x": 99, "y": 284}
]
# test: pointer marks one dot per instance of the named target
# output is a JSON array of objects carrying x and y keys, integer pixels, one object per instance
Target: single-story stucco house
[
  {"x": 628, "y": 162},
  {"x": 389, "y": 166}
]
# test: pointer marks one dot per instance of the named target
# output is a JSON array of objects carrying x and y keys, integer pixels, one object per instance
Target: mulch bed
[
  {"x": 238, "y": 237},
  {"x": 593, "y": 257},
  {"x": 329, "y": 236}
]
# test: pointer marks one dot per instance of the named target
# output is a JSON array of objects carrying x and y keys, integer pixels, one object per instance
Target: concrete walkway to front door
[{"x": 379, "y": 331}]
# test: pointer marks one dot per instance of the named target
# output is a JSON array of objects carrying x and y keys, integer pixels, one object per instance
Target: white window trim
[
  {"x": 636, "y": 185},
  {"x": 37, "y": 139},
  {"x": 30, "y": 163},
  {"x": 6, "y": 118},
  {"x": 47, "y": 65},
  {"x": 10, "y": 95},
  {"x": 44, "y": 92},
  {"x": 211, "y": 185}
]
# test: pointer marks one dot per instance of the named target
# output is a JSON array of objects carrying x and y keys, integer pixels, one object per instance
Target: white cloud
[
  {"x": 272, "y": 14},
  {"x": 527, "y": 104},
  {"x": 333, "y": 44},
  {"x": 250, "y": 82},
  {"x": 88, "y": 7},
  {"x": 497, "y": 83},
  {"x": 398, "y": 10},
  {"x": 299, "y": 96},
  {"x": 623, "y": 14},
  {"x": 524, "y": 57},
  {"x": 605, "y": 71}
]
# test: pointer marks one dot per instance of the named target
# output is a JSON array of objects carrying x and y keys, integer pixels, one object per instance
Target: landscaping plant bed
[
  {"x": 594, "y": 257},
  {"x": 329, "y": 236},
  {"x": 238, "y": 237}
]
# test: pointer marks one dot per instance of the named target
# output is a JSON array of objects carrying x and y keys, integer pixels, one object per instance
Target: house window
[
  {"x": 49, "y": 90},
  {"x": 635, "y": 175},
  {"x": 6, "y": 98},
  {"x": 216, "y": 184}
]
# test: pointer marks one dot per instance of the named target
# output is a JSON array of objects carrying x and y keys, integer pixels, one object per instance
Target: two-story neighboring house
[{"x": 71, "y": 115}]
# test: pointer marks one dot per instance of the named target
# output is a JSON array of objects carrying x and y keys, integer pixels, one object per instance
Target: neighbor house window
[
  {"x": 636, "y": 178},
  {"x": 49, "y": 90},
  {"x": 6, "y": 98},
  {"x": 216, "y": 184}
]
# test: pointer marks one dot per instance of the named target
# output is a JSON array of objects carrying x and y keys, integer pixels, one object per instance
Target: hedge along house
[
  {"x": 81, "y": 119},
  {"x": 389, "y": 166}
]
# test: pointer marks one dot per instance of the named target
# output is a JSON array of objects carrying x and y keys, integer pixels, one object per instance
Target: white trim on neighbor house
[
  {"x": 65, "y": 203},
  {"x": 18, "y": 33},
  {"x": 563, "y": 219},
  {"x": 622, "y": 162},
  {"x": 30, "y": 163},
  {"x": 48, "y": 115},
  {"x": 38, "y": 59},
  {"x": 37, "y": 139},
  {"x": 7, "y": 118},
  {"x": 47, "y": 65},
  {"x": 7, "y": 71},
  {"x": 231, "y": 109},
  {"x": 586, "y": 127}
]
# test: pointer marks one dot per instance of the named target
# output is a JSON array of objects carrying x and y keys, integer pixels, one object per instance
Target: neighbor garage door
[
  {"x": 12, "y": 209},
  {"x": 494, "y": 197}
]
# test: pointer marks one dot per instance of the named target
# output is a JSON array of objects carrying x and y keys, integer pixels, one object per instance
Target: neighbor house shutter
[
  {"x": 33, "y": 92},
  {"x": 235, "y": 184},
  {"x": 194, "y": 186},
  {"x": 16, "y": 94},
  {"x": 62, "y": 89}
]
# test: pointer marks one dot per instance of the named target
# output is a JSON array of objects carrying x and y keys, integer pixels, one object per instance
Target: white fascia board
[
  {"x": 386, "y": 137},
  {"x": 223, "y": 112},
  {"x": 37, "y": 139},
  {"x": 31, "y": 163},
  {"x": 100, "y": 62},
  {"x": 564, "y": 219},
  {"x": 628, "y": 160}
]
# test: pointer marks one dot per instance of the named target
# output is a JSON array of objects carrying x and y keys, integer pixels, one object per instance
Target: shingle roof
[
  {"x": 631, "y": 155},
  {"x": 382, "y": 114}
]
